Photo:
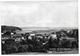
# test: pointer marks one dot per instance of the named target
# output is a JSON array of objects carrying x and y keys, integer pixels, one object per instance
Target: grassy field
[{"x": 67, "y": 51}]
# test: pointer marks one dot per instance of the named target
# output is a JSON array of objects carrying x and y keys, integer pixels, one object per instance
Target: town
[{"x": 48, "y": 41}]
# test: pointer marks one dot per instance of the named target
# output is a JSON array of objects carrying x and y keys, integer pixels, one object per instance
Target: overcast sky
[{"x": 39, "y": 14}]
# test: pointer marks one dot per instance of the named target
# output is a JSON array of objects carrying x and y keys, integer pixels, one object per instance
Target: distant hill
[
  {"x": 48, "y": 28},
  {"x": 9, "y": 28},
  {"x": 44, "y": 29}
]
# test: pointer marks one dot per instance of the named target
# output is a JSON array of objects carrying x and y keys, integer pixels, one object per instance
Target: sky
[{"x": 39, "y": 13}]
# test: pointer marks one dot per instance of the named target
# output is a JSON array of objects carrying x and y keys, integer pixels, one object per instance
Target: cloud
[{"x": 39, "y": 14}]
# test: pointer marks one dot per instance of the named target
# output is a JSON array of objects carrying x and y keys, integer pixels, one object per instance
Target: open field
[{"x": 68, "y": 51}]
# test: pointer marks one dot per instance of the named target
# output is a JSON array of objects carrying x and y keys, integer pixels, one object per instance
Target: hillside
[{"x": 9, "y": 28}]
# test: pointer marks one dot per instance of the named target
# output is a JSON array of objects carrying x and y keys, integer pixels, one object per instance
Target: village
[{"x": 38, "y": 41}]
